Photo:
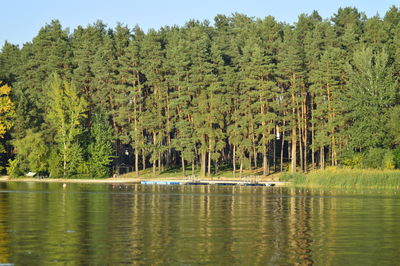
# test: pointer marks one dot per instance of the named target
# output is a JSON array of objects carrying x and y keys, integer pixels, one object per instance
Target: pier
[{"x": 213, "y": 182}]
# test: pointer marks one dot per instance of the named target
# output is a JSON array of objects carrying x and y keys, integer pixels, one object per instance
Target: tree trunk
[
  {"x": 136, "y": 160},
  {"x": 294, "y": 136},
  {"x": 265, "y": 162},
  {"x": 255, "y": 155},
  {"x": 312, "y": 147},
  {"x": 209, "y": 160},
  {"x": 299, "y": 126},
  {"x": 234, "y": 161},
  {"x": 203, "y": 164},
  {"x": 304, "y": 115},
  {"x": 322, "y": 157},
  {"x": 274, "y": 155},
  {"x": 282, "y": 146},
  {"x": 241, "y": 168},
  {"x": 65, "y": 160},
  {"x": 250, "y": 161},
  {"x": 183, "y": 166},
  {"x": 159, "y": 163},
  {"x": 293, "y": 151},
  {"x": 136, "y": 136},
  {"x": 143, "y": 160}
]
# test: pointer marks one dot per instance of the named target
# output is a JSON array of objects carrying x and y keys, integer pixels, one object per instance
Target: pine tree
[{"x": 291, "y": 70}]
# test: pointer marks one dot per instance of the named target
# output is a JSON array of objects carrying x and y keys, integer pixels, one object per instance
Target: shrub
[
  {"x": 350, "y": 159},
  {"x": 374, "y": 158},
  {"x": 388, "y": 160},
  {"x": 396, "y": 157}
]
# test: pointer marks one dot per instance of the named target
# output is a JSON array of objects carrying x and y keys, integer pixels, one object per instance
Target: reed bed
[{"x": 346, "y": 178}]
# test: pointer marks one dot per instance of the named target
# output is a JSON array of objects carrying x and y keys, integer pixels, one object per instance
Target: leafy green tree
[
  {"x": 65, "y": 116},
  {"x": 33, "y": 152},
  {"x": 371, "y": 94}
]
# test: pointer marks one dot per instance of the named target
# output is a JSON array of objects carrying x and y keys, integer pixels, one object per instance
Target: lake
[{"x": 103, "y": 224}]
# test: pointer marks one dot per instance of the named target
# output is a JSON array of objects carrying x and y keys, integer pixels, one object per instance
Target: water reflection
[{"x": 106, "y": 224}]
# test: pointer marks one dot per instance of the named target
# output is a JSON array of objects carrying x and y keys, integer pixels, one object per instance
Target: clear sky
[{"x": 22, "y": 19}]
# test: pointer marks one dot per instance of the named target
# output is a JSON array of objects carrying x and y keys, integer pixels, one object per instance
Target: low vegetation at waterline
[{"x": 346, "y": 178}]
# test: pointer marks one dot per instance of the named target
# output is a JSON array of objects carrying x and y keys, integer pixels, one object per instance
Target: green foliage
[
  {"x": 374, "y": 158},
  {"x": 372, "y": 90},
  {"x": 353, "y": 162},
  {"x": 55, "y": 168},
  {"x": 32, "y": 152},
  {"x": 394, "y": 122},
  {"x": 206, "y": 95},
  {"x": 100, "y": 148},
  {"x": 65, "y": 116},
  {"x": 396, "y": 157},
  {"x": 388, "y": 160},
  {"x": 13, "y": 169}
]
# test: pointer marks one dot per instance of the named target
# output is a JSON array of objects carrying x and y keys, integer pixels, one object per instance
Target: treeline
[{"x": 241, "y": 93}]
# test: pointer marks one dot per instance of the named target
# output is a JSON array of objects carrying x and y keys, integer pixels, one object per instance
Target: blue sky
[{"x": 22, "y": 19}]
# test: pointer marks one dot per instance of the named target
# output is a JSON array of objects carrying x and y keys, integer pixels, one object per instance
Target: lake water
[{"x": 101, "y": 224}]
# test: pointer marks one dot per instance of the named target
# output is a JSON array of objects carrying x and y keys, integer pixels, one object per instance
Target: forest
[{"x": 241, "y": 93}]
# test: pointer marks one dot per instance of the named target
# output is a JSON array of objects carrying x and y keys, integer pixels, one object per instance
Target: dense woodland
[{"x": 240, "y": 93}]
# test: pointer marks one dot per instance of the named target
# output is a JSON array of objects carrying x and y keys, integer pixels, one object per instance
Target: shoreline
[
  {"x": 72, "y": 180},
  {"x": 127, "y": 180}
]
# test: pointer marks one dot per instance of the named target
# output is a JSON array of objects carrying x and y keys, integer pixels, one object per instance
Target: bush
[
  {"x": 351, "y": 159},
  {"x": 374, "y": 158},
  {"x": 388, "y": 160},
  {"x": 396, "y": 157}
]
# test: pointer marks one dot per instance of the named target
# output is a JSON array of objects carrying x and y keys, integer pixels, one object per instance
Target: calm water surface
[{"x": 196, "y": 225}]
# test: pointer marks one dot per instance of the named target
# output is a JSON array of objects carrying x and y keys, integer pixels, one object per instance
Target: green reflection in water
[{"x": 106, "y": 224}]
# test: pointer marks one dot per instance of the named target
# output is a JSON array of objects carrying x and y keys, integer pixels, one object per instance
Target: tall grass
[{"x": 346, "y": 178}]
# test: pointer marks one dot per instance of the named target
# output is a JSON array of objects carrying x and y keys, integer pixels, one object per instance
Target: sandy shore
[{"x": 64, "y": 180}]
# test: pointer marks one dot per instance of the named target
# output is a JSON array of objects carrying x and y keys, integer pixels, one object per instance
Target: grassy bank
[{"x": 346, "y": 178}]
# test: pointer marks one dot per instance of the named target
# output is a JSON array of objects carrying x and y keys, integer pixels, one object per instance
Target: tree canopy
[{"x": 249, "y": 94}]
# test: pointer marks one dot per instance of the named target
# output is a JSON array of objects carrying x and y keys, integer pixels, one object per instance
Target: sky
[{"x": 21, "y": 20}]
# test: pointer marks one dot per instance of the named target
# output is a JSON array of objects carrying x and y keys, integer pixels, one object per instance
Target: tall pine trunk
[
  {"x": 294, "y": 151},
  {"x": 143, "y": 160},
  {"x": 234, "y": 161},
  {"x": 241, "y": 167},
  {"x": 265, "y": 162},
  {"x": 322, "y": 157},
  {"x": 294, "y": 125},
  {"x": 209, "y": 160},
  {"x": 183, "y": 166},
  {"x": 203, "y": 164},
  {"x": 136, "y": 160},
  {"x": 282, "y": 147}
]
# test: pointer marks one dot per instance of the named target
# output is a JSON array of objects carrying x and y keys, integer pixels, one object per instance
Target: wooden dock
[{"x": 213, "y": 182}]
